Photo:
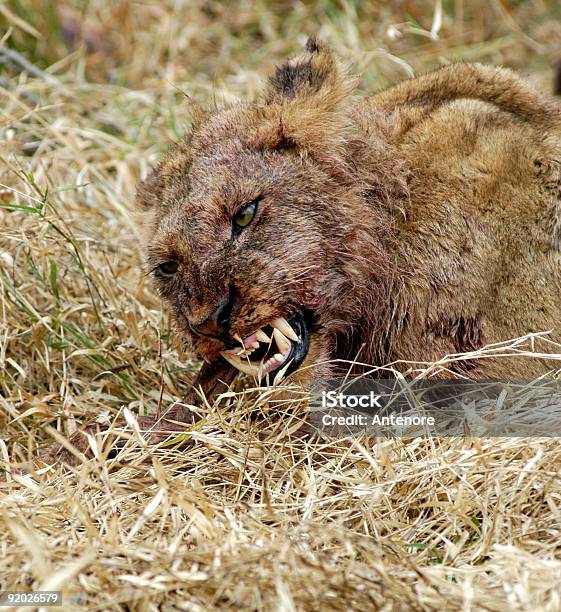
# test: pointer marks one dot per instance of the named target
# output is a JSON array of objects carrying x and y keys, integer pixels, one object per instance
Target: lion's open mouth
[{"x": 281, "y": 345}]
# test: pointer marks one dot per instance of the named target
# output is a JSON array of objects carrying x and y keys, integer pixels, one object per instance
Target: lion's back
[{"x": 483, "y": 227}]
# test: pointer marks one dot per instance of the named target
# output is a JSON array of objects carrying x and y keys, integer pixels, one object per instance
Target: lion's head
[{"x": 265, "y": 226}]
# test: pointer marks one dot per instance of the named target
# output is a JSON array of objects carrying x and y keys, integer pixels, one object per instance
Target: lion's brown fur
[{"x": 421, "y": 221}]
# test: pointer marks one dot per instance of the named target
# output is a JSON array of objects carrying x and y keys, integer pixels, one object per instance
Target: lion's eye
[
  {"x": 168, "y": 268},
  {"x": 245, "y": 215}
]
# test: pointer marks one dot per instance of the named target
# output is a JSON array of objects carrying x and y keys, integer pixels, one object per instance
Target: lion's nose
[{"x": 217, "y": 323}]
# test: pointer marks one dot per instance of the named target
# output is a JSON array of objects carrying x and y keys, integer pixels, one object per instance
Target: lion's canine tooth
[
  {"x": 242, "y": 366},
  {"x": 284, "y": 326},
  {"x": 281, "y": 373},
  {"x": 255, "y": 345},
  {"x": 280, "y": 339},
  {"x": 261, "y": 336},
  {"x": 279, "y": 357}
]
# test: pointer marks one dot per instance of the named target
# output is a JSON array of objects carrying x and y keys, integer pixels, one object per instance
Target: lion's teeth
[
  {"x": 282, "y": 335},
  {"x": 280, "y": 374},
  {"x": 280, "y": 339},
  {"x": 284, "y": 326},
  {"x": 261, "y": 336},
  {"x": 243, "y": 366},
  {"x": 244, "y": 352}
]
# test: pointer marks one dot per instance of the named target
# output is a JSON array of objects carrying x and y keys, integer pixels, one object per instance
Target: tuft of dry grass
[{"x": 249, "y": 516}]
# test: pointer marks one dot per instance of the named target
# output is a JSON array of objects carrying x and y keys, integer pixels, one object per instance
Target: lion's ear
[
  {"x": 306, "y": 104},
  {"x": 314, "y": 76}
]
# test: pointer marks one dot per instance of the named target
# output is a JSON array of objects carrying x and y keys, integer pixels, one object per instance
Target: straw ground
[{"x": 248, "y": 516}]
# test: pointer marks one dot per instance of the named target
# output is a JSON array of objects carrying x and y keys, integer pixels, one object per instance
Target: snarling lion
[{"x": 313, "y": 225}]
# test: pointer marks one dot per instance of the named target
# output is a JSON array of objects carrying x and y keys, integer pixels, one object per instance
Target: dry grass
[{"x": 249, "y": 516}]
